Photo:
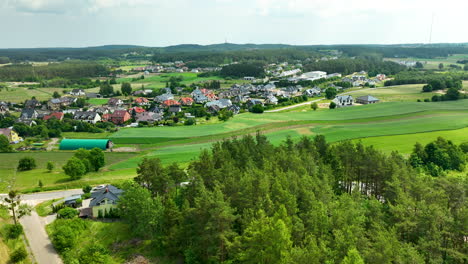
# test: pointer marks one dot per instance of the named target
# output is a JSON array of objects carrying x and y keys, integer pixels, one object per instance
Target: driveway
[{"x": 34, "y": 226}]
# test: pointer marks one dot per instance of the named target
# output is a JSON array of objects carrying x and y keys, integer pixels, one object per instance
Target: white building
[{"x": 314, "y": 75}]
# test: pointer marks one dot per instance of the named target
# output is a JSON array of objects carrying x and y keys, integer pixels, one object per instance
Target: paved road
[
  {"x": 34, "y": 226},
  {"x": 317, "y": 100},
  {"x": 41, "y": 246}
]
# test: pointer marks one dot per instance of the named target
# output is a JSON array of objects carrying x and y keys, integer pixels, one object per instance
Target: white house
[{"x": 343, "y": 100}]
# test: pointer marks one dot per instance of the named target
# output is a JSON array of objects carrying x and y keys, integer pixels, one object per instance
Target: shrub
[
  {"x": 5, "y": 144},
  {"x": 87, "y": 189},
  {"x": 26, "y": 163},
  {"x": 332, "y": 105},
  {"x": 18, "y": 255},
  {"x": 427, "y": 100},
  {"x": 50, "y": 166},
  {"x": 65, "y": 232},
  {"x": 74, "y": 168},
  {"x": 314, "y": 106},
  {"x": 258, "y": 109},
  {"x": 67, "y": 213},
  {"x": 14, "y": 231},
  {"x": 94, "y": 253}
]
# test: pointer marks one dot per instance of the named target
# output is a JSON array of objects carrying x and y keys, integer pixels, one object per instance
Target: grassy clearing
[
  {"x": 401, "y": 93},
  {"x": 44, "y": 208},
  {"x": 28, "y": 180}
]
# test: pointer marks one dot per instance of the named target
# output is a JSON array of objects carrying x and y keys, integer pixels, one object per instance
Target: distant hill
[{"x": 141, "y": 52}]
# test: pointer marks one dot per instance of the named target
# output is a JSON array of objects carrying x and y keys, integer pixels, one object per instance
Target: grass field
[
  {"x": 30, "y": 179},
  {"x": 98, "y": 101},
  {"x": 401, "y": 93},
  {"x": 434, "y": 63}
]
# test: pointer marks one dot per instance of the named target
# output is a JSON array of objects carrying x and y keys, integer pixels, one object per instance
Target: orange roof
[
  {"x": 170, "y": 102},
  {"x": 57, "y": 115},
  {"x": 140, "y": 100},
  {"x": 138, "y": 109},
  {"x": 186, "y": 100}
]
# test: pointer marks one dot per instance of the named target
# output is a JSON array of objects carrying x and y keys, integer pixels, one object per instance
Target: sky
[{"x": 157, "y": 23}]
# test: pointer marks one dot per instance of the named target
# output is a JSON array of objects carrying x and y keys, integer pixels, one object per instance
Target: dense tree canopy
[
  {"x": 242, "y": 70},
  {"x": 247, "y": 201}
]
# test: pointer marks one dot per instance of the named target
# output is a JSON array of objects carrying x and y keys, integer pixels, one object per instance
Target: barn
[{"x": 74, "y": 144}]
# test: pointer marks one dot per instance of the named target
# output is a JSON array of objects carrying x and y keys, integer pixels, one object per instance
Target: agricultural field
[
  {"x": 154, "y": 81},
  {"x": 17, "y": 94},
  {"x": 400, "y": 93},
  {"x": 433, "y": 64}
]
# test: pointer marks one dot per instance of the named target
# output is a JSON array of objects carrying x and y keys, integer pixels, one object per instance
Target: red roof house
[
  {"x": 137, "y": 109},
  {"x": 56, "y": 115},
  {"x": 120, "y": 117},
  {"x": 168, "y": 103},
  {"x": 186, "y": 101},
  {"x": 141, "y": 101}
]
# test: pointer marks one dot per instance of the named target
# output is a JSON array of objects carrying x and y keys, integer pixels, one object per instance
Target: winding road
[{"x": 34, "y": 226}]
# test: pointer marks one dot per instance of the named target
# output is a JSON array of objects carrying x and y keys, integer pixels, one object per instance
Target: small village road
[
  {"x": 318, "y": 100},
  {"x": 39, "y": 242},
  {"x": 34, "y": 226}
]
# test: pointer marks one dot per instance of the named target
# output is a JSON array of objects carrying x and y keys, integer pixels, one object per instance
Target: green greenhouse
[{"x": 74, "y": 144}]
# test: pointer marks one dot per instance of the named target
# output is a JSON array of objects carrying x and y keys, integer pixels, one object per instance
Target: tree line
[
  {"x": 69, "y": 70},
  {"x": 309, "y": 201},
  {"x": 348, "y": 66}
]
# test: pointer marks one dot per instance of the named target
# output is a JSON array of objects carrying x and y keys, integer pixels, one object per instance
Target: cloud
[{"x": 44, "y": 6}]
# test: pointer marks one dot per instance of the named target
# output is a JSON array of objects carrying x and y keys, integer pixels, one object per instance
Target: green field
[
  {"x": 98, "y": 101},
  {"x": 433, "y": 64},
  {"x": 30, "y": 179}
]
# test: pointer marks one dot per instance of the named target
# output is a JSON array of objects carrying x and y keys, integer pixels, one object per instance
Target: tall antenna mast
[{"x": 430, "y": 33}]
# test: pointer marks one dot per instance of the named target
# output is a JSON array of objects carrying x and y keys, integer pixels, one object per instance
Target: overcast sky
[{"x": 81, "y": 23}]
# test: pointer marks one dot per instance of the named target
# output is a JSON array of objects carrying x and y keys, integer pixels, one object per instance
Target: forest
[
  {"x": 414, "y": 77},
  {"x": 70, "y": 70},
  {"x": 346, "y": 66},
  {"x": 247, "y": 201}
]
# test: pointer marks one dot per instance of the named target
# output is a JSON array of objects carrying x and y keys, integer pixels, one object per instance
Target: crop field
[
  {"x": 20, "y": 94},
  {"x": 401, "y": 93},
  {"x": 434, "y": 63}
]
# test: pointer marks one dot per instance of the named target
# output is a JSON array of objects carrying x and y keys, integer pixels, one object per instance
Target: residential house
[
  {"x": 149, "y": 117},
  {"x": 58, "y": 103},
  {"x": 367, "y": 99},
  {"x": 164, "y": 97},
  {"x": 11, "y": 135},
  {"x": 187, "y": 101},
  {"x": 119, "y": 117},
  {"x": 272, "y": 100},
  {"x": 221, "y": 103},
  {"x": 141, "y": 101},
  {"x": 175, "y": 109},
  {"x": 312, "y": 92},
  {"x": 200, "y": 98},
  {"x": 87, "y": 116},
  {"x": 253, "y": 102},
  {"x": 343, "y": 100},
  {"x": 4, "y": 108},
  {"x": 142, "y": 92},
  {"x": 77, "y": 92},
  {"x": 240, "y": 99},
  {"x": 235, "y": 109},
  {"x": 347, "y": 79},
  {"x": 136, "y": 110},
  {"x": 102, "y": 110},
  {"x": 28, "y": 114},
  {"x": 115, "y": 102},
  {"x": 33, "y": 103},
  {"x": 168, "y": 103},
  {"x": 381, "y": 77},
  {"x": 56, "y": 115},
  {"x": 104, "y": 199}
]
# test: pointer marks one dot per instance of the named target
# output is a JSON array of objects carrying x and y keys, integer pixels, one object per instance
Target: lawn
[
  {"x": 98, "y": 101},
  {"x": 45, "y": 208}
]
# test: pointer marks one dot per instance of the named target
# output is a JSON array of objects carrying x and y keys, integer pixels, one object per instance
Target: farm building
[{"x": 74, "y": 144}]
